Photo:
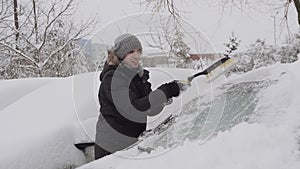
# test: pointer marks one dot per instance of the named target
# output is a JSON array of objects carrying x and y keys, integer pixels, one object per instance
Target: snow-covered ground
[{"x": 246, "y": 121}]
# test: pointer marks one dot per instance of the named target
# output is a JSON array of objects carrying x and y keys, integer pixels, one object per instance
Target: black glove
[{"x": 170, "y": 89}]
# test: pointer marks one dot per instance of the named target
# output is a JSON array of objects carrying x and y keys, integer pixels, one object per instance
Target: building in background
[{"x": 160, "y": 59}]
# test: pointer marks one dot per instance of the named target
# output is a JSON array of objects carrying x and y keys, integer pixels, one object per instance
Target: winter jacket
[{"x": 126, "y": 99}]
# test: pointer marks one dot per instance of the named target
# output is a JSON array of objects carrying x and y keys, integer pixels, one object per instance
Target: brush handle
[{"x": 209, "y": 69}]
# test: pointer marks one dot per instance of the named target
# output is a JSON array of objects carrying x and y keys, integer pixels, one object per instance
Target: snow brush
[{"x": 215, "y": 70}]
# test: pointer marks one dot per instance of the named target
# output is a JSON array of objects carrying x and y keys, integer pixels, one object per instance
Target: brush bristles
[{"x": 220, "y": 70}]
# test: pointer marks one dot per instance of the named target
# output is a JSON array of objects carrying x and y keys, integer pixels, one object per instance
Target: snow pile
[{"x": 37, "y": 125}]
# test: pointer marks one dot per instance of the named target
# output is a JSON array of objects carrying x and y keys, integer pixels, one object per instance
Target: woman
[{"x": 126, "y": 98}]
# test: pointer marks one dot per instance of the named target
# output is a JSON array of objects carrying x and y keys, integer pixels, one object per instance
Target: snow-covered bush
[
  {"x": 290, "y": 51},
  {"x": 261, "y": 54}
]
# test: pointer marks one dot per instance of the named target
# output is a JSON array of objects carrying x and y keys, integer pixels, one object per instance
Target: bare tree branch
[
  {"x": 20, "y": 53},
  {"x": 160, "y": 5},
  {"x": 52, "y": 21},
  {"x": 74, "y": 37},
  {"x": 35, "y": 21}
]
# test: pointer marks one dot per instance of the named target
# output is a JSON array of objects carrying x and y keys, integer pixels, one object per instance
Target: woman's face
[{"x": 133, "y": 58}]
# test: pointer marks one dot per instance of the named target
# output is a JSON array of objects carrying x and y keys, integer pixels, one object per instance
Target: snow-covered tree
[
  {"x": 6, "y": 19},
  {"x": 180, "y": 50},
  {"x": 232, "y": 45},
  {"x": 47, "y": 43}
]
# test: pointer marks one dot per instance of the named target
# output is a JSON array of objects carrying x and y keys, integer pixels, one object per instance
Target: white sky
[{"x": 205, "y": 16}]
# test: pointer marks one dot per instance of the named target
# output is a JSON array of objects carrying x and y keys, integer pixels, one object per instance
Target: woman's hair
[{"x": 112, "y": 59}]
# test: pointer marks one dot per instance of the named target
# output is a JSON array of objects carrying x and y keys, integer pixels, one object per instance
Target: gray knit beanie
[{"x": 124, "y": 44}]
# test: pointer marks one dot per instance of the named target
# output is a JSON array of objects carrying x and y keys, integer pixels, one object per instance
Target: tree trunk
[
  {"x": 16, "y": 19},
  {"x": 35, "y": 21},
  {"x": 297, "y": 5}
]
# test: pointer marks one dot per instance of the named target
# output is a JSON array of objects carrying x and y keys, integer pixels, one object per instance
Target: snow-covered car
[{"x": 241, "y": 121}]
